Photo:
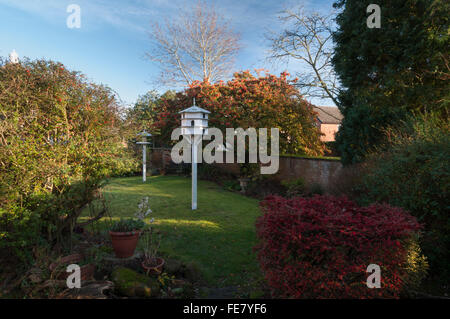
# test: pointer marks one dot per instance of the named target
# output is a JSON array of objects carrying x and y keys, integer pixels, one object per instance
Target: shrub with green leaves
[
  {"x": 18, "y": 228},
  {"x": 294, "y": 187},
  {"x": 214, "y": 173},
  {"x": 60, "y": 136},
  {"x": 387, "y": 74},
  {"x": 413, "y": 172}
]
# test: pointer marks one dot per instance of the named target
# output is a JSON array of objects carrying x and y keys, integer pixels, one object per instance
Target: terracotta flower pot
[
  {"x": 87, "y": 271},
  {"x": 124, "y": 243},
  {"x": 153, "y": 267}
]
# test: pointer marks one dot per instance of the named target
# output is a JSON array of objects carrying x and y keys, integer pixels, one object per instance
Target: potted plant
[
  {"x": 125, "y": 235},
  {"x": 151, "y": 263},
  {"x": 125, "y": 232}
]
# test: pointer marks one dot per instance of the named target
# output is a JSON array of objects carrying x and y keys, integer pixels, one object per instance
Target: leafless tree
[
  {"x": 307, "y": 37},
  {"x": 197, "y": 45}
]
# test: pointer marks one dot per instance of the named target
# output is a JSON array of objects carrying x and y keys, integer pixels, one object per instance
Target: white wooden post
[
  {"x": 194, "y": 124},
  {"x": 144, "y": 143},
  {"x": 194, "y": 173},
  {"x": 144, "y": 163}
]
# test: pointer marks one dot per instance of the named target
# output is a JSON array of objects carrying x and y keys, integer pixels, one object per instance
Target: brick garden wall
[{"x": 312, "y": 170}]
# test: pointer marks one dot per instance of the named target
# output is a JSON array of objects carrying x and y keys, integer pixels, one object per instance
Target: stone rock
[
  {"x": 129, "y": 283},
  {"x": 173, "y": 267},
  {"x": 183, "y": 289},
  {"x": 91, "y": 290},
  {"x": 111, "y": 262},
  {"x": 178, "y": 269}
]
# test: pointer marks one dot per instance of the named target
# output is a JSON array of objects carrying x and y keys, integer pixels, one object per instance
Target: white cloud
[{"x": 130, "y": 15}]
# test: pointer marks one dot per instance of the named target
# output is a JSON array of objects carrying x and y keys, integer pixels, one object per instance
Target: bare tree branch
[
  {"x": 198, "y": 45},
  {"x": 307, "y": 38}
]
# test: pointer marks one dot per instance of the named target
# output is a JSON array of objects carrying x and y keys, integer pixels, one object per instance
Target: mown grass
[{"x": 218, "y": 237}]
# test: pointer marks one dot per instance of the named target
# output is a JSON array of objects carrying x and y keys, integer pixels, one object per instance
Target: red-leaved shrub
[{"x": 320, "y": 247}]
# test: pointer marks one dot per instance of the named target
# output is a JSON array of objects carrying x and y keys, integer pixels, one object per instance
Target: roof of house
[{"x": 328, "y": 114}]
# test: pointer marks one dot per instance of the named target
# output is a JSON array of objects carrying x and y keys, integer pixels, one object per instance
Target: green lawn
[{"x": 218, "y": 237}]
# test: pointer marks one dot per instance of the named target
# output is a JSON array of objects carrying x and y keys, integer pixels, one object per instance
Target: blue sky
[{"x": 109, "y": 47}]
